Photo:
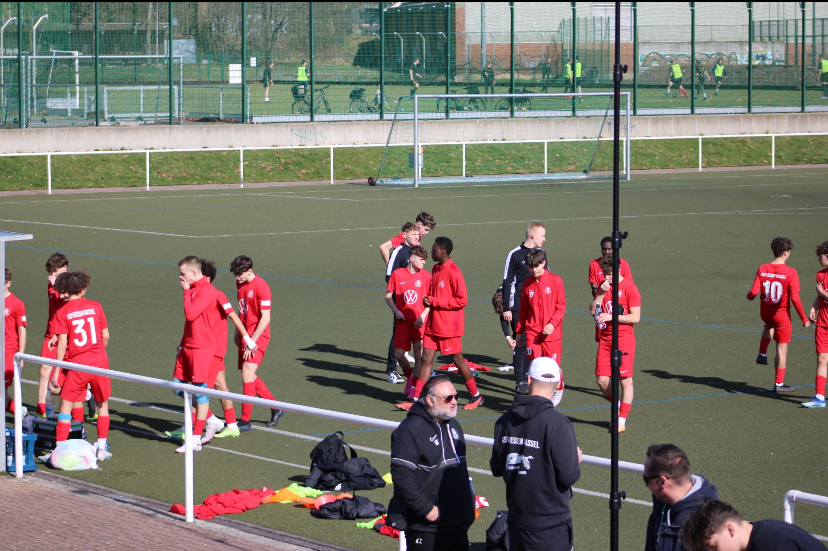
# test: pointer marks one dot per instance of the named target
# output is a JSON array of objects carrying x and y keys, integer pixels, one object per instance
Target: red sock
[
  {"x": 471, "y": 385},
  {"x": 62, "y": 431},
  {"x": 780, "y": 376},
  {"x": 77, "y": 414},
  {"x": 10, "y": 406},
  {"x": 230, "y": 415},
  {"x": 247, "y": 409},
  {"x": 763, "y": 345},
  {"x": 820, "y": 384},
  {"x": 198, "y": 428},
  {"x": 408, "y": 372},
  {"x": 608, "y": 398},
  {"x": 624, "y": 410},
  {"x": 418, "y": 388},
  {"x": 41, "y": 408},
  {"x": 103, "y": 426},
  {"x": 261, "y": 389}
]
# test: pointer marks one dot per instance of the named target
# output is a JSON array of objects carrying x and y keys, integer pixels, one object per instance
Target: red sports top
[
  {"x": 15, "y": 319},
  {"x": 542, "y": 301},
  {"x": 223, "y": 308},
  {"x": 779, "y": 286},
  {"x": 409, "y": 290},
  {"x": 55, "y": 303},
  {"x": 629, "y": 297},
  {"x": 83, "y": 322},
  {"x": 448, "y": 298},
  {"x": 254, "y": 297},
  {"x": 398, "y": 239},
  {"x": 822, "y": 315},
  {"x": 596, "y": 275},
  {"x": 200, "y": 315}
]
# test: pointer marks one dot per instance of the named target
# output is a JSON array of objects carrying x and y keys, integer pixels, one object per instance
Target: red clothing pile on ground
[{"x": 235, "y": 501}]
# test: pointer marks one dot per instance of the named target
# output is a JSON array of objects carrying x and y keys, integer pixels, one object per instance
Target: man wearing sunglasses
[
  {"x": 677, "y": 494},
  {"x": 537, "y": 454},
  {"x": 428, "y": 466}
]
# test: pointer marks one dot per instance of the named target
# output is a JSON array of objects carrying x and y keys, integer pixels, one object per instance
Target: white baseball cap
[{"x": 545, "y": 369}]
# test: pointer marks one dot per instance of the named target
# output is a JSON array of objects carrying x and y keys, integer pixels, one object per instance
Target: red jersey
[
  {"x": 83, "y": 322},
  {"x": 448, "y": 297},
  {"x": 398, "y": 239},
  {"x": 596, "y": 275},
  {"x": 15, "y": 319},
  {"x": 822, "y": 315},
  {"x": 200, "y": 315},
  {"x": 409, "y": 290},
  {"x": 224, "y": 309},
  {"x": 254, "y": 297},
  {"x": 55, "y": 303},
  {"x": 628, "y": 297},
  {"x": 779, "y": 286},
  {"x": 542, "y": 301}
]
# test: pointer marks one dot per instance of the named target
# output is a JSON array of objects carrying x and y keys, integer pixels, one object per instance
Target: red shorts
[
  {"x": 602, "y": 360},
  {"x": 446, "y": 345},
  {"x": 546, "y": 348},
  {"x": 780, "y": 322},
  {"x": 193, "y": 365},
  {"x": 821, "y": 338},
  {"x": 406, "y": 335},
  {"x": 74, "y": 387},
  {"x": 216, "y": 367},
  {"x": 46, "y": 353},
  {"x": 257, "y": 357},
  {"x": 9, "y": 368}
]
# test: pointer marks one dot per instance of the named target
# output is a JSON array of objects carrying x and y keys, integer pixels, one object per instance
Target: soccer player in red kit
[
  {"x": 83, "y": 334},
  {"x": 445, "y": 325},
  {"x": 55, "y": 265},
  {"x": 542, "y": 309},
  {"x": 404, "y": 295},
  {"x": 819, "y": 316},
  {"x": 596, "y": 275},
  {"x": 15, "y": 317},
  {"x": 630, "y": 314},
  {"x": 779, "y": 286},
  {"x": 254, "y": 311},
  {"x": 195, "y": 353}
]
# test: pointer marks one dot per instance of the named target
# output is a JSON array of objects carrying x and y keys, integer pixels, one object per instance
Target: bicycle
[
  {"x": 463, "y": 104},
  {"x": 358, "y": 102},
  {"x": 301, "y": 105},
  {"x": 523, "y": 104}
]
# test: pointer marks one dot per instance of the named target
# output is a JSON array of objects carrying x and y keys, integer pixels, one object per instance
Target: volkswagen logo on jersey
[
  {"x": 410, "y": 297},
  {"x": 548, "y": 290},
  {"x": 518, "y": 462},
  {"x": 243, "y": 306}
]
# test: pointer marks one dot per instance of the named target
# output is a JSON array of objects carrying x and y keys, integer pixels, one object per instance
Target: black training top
[
  {"x": 514, "y": 274},
  {"x": 399, "y": 259},
  {"x": 775, "y": 535}
]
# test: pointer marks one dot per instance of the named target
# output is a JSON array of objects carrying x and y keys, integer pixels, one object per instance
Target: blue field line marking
[{"x": 372, "y": 288}]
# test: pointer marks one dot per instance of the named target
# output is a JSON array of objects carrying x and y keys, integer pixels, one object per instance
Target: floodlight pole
[{"x": 617, "y": 237}]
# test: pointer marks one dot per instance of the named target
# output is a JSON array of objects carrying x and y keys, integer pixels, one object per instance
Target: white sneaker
[
  {"x": 507, "y": 367},
  {"x": 395, "y": 378},
  {"x": 214, "y": 425},
  {"x": 103, "y": 455},
  {"x": 410, "y": 359},
  {"x": 196, "y": 448}
]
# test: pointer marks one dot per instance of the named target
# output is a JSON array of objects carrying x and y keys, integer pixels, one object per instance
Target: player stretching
[
  {"x": 254, "y": 310},
  {"x": 779, "y": 286},
  {"x": 15, "y": 316},
  {"x": 819, "y": 315},
  {"x": 404, "y": 295},
  {"x": 629, "y": 313},
  {"x": 542, "y": 309},
  {"x": 55, "y": 265},
  {"x": 85, "y": 321},
  {"x": 444, "y": 330}
]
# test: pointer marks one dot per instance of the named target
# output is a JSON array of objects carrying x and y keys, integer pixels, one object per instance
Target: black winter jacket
[
  {"x": 428, "y": 466},
  {"x": 666, "y": 520}
]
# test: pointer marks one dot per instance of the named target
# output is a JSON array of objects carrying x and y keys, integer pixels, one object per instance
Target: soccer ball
[{"x": 371, "y": 181}]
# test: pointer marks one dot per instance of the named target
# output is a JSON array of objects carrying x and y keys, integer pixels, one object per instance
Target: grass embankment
[{"x": 296, "y": 165}]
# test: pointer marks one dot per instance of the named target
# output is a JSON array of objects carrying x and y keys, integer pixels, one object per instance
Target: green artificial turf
[{"x": 694, "y": 243}]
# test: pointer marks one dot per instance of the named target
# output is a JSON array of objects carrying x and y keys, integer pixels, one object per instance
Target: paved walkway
[{"x": 48, "y": 511}]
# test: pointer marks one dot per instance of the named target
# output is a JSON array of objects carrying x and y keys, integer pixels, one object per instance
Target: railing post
[
  {"x": 464, "y": 159},
  {"x": 241, "y": 166},
  {"x": 545, "y": 157},
  {"x": 416, "y": 141},
  {"x": 788, "y": 505},
  {"x": 332, "y": 165},
  {"x": 188, "y": 457},
  {"x": 147, "y": 170},
  {"x": 18, "y": 422},
  {"x": 49, "y": 173},
  {"x": 700, "y": 153},
  {"x": 773, "y": 150}
]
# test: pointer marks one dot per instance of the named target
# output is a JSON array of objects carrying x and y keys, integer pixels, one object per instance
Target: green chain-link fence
[{"x": 103, "y": 63}]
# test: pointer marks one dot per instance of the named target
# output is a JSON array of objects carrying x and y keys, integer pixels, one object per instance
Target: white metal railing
[
  {"x": 189, "y": 391},
  {"x": 793, "y": 496},
  {"x": 331, "y": 148}
]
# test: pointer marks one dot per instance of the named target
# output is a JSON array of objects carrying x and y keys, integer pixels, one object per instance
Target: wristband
[{"x": 251, "y": 344}]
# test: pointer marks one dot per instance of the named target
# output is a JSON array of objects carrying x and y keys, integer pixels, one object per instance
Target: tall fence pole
[
  {"x": 692, "y": 58},
  {"x": 170, "y": 60},
  {"x": 573, "y": 57},
  {"x": 750, "y": 56},
  {"x": 20, "y": 109},
  {"x": 635, "y": 58},
  {"x": 382, "y": 61},
  {"x": 448, "y": 54},
  {"x": 312, "y": 77},
  {"x": 97, "y": 66},
  {"x": 512, "y": 57},
  {"x": 244, "y": 57},
  {"x": 804, "y": 80}
]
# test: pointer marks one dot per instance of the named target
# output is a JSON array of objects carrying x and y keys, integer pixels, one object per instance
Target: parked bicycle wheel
[
  {"x": 357, "y": 106},
  {"x": 502, "y": 105},
  {"x": 477, "y": 104},
  {"x": 300, "y": 107}
]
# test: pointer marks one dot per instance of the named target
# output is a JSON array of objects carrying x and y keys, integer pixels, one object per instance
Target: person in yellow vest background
[
  {"x": 719, "y": 72},
  {"x": 302, "y": 76},
  {"x": 822, "y": 69},
  {"x": 675, "y": 76}
]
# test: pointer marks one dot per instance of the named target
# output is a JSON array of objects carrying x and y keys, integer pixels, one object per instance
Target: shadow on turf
[
  {"x": 732, "y": 387},
  {"x": 335, "y": 349},
  {"x": 600, "y": 424}
]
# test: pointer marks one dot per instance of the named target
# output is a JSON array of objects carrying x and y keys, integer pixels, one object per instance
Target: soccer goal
[{"x": 477, "y": 138}]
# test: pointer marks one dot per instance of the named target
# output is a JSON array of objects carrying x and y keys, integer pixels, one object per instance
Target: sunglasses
[
  {"x": 449, "y": 399},
  {"x": 647, "y": 478}
]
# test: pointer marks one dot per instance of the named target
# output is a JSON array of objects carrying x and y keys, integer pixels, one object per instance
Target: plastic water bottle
[
  {"x": 599, "y": 324},
  {"x": 9, "y": 447}
]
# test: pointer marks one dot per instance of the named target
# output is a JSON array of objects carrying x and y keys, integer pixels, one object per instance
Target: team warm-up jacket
[
  {"x": 199, "y": 303},
  {"x": 514, "y": 274},
  {"x": 448, "y": 297},
  {"x": 429, "y": 458},
  {"x": 399, "y": 259},
  {"x": 536, "y": 453},
  {"x": 543, "y": 301},
  {"x": 666, "y": 520}
]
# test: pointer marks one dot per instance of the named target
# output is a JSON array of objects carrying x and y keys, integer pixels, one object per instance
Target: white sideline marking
[{"x": 93, "y": 228}]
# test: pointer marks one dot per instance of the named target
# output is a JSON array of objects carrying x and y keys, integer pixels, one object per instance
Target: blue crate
[{"x": 28, "y": 452}]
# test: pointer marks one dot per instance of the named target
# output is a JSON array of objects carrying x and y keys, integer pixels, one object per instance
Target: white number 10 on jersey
[{"x": 773, "y": 291}]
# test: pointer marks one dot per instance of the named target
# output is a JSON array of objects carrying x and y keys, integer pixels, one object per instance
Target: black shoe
[
  {"x": 275, "y": 415},
  {"x": 522, "y": 388},
  {"x": 782, "y": 388},
  {"x": 93, "y": 408},
  {"x": 762, "y": 360},
  {"x": 245, "y": 426}
]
